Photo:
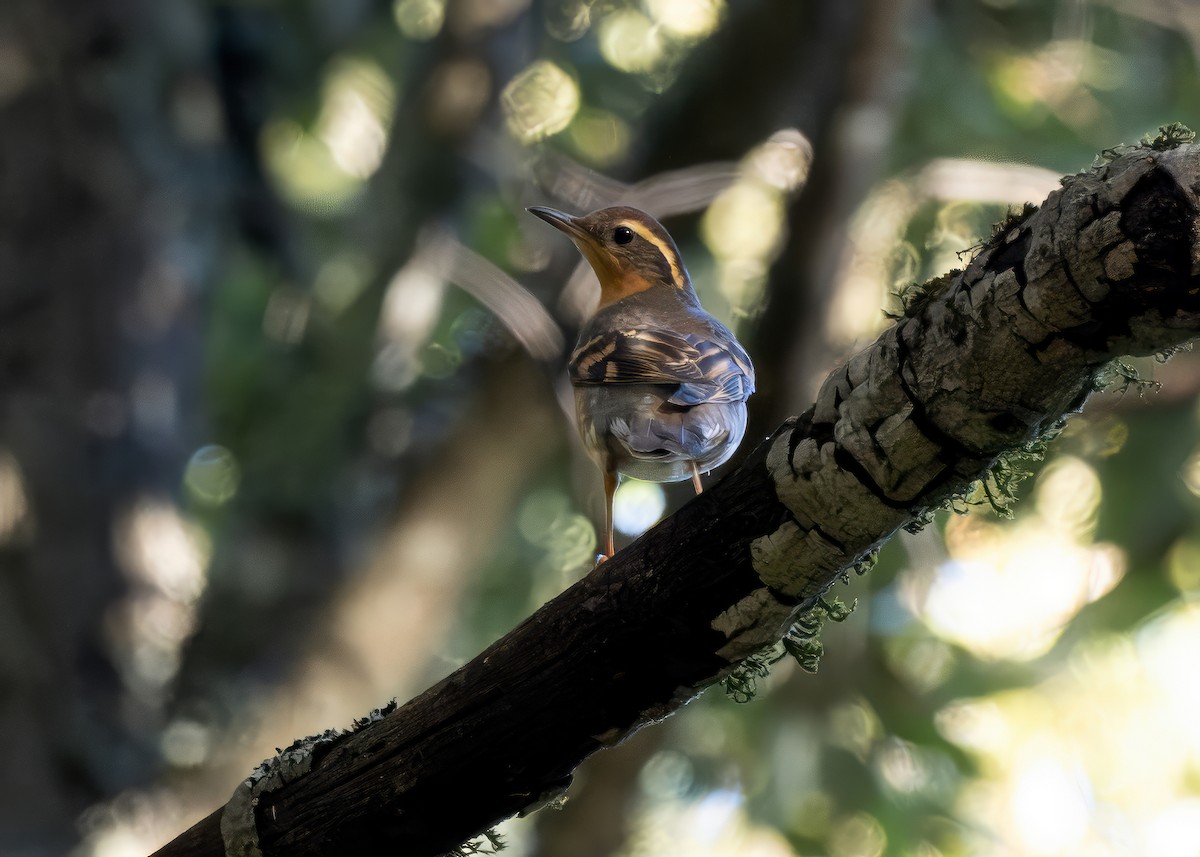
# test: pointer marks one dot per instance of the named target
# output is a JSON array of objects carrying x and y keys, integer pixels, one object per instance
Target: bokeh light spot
[
  {"x": 599, "y": 136},
  {"x": 855, "y": 727},
  {"x": 860, "y": 835},
  {"x": 547, "y": 520},
  {"x": 783, "y": 161},
  {"x": 158, "y": 547},
  {"x": 902, "y": 766},
  {"x": 321, "y": 170},
  {"x": 638, "y": 506},
  {"x": 692, "y": 19},
  {"x": 212, "y": 475},
  {"x": 539, "y": 102},
  {"x": 1068, "y": 495},
  {"x": 630, "y": 41},
  {"x": 668, "y": 774},
  {"x": 1191, "y": 473},
  {"x": 1183, "y": 565},
  {"x": 568, "y": 20},
  {"x": 300, "y": 166},
  {"x": 419, "y": 20},
  {"x": 339, "y": 281},
  {"x": 981, "y": 596},
  {"x": 186, "y": 743},
  {"x": 1050, "y": 806},
  {"x": 356, "y": 111},
  {"x": 743, "y": 221}
]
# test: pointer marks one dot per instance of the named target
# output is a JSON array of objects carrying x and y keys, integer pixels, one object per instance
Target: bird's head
[{"x": 628, "y": 249}]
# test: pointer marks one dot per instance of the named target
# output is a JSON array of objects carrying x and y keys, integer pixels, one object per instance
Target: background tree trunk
[{"x": 104, "y": 256}]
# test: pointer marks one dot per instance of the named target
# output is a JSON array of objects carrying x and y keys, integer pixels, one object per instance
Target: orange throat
[{"x": 613, "y": 289}]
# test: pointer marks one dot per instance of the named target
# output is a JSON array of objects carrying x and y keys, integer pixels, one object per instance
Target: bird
[{"x": 660, "y": 385}]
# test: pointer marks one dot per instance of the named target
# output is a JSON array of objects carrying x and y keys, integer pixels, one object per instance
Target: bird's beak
[
  {"x": 559, "y": 220},
  {"x": 602, "y": 262},
  {"x": 569, "y": 225}
]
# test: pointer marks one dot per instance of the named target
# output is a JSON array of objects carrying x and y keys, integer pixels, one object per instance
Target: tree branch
[{"x": 983, "y": 362}]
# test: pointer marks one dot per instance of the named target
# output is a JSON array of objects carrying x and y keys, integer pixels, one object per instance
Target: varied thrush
[{"x": 660, "y": 385}]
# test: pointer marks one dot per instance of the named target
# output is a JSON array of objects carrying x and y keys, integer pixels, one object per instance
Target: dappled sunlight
[
  {"x": 568, "y": 20},
  {"x": 688, "y": 19},
  {"x": 566, "y": 539},
  {"x": 1167, "y": 646},
  {"x": 165, "y": 558},
  {"x": 1049, "y": 804},
  {"x": 1008, "y": 591},
  {"x": 419, "y": 20},
  {"x": 638, "y": 506},
  {"x": 1191, "y": 473},
  {"x": 1099, "y": 758},
  {"x": 412, "y": 304},
  {"x": 639, "y": 38},
  {"x": 322, "y": 168},
  {"x": 880, "y": 260},
  {"x": 1061, "y": 77},
  {"x": 1014, "y": 606},
  {"x": 540, "y": 101},
  {"x": 212, "y": 475},
  {"x": 303, "y": 170},
  {"x": 599, "y": 136},
  {"x": 744, "y": 226},
  {"x": 630, "y": 41},
  {"x": 356, "y": 110},
  {"x": 133, "y": 824},
  {"x": 339, "y": 280},
  {"x": 651, "y": 39},
  {"x": 857, "y": 835},
  {"x": 159, "y": 548},
  {"x": 923, "y": 662},
  {"x": 1183, "y": 566},
  {"x": 744, "y": 221},
  {"x": 854, "y": 726},
  {"x": 875, "y": 262},
  {"x": 782, "y": 162},
  {"x": 712, "y": 824},
  {"x": 908, "y": 770},
  {"x": 297, "y": 449}
]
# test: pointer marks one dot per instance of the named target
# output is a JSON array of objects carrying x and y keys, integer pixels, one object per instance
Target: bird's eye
[{"x": 622, "y": 235}]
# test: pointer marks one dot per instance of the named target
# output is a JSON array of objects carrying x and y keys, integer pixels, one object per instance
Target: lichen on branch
[{"x": 956, "y": 400}]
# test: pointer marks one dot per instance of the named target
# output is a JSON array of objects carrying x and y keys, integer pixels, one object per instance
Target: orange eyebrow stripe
[{"x": 677, "y": 275}]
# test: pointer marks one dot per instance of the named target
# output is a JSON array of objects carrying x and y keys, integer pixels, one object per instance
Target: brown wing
[{"x": 705, "y": 369}]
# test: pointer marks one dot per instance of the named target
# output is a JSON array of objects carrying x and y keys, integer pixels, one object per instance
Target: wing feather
[{"x": 705, "y": 369}]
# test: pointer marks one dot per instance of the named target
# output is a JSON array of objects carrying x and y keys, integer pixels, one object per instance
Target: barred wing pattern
[{"x": 705, "y": 369}]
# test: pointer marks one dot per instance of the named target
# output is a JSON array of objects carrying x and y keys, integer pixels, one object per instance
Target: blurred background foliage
[{"x": 282, "y": 438}]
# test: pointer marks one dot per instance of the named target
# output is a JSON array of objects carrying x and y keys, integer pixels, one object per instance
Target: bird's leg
[
  {"x": 610, "y": 489},
  {"x": 696, "y": 483}
]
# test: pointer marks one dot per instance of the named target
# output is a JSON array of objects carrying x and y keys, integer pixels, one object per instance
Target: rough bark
[{"x": 986, "y": 361}]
